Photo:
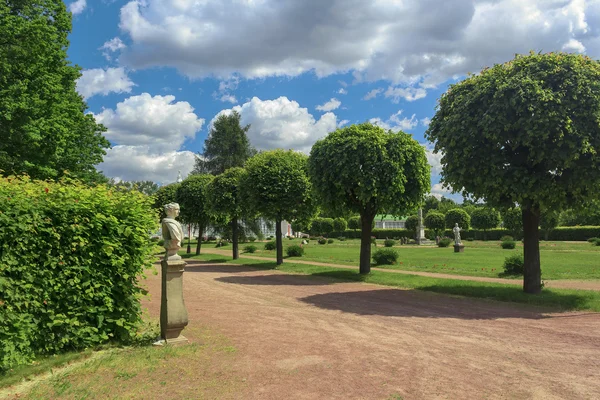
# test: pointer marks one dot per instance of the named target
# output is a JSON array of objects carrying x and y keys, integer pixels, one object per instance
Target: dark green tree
[
  {"x": 44, "y": 129},
  {"x": 549, "y": 221},
  {"x": 276, "y": 185},
  {"x": 354, "y": 223},
  {"x": 431, "y": 203},
  {"x": 165, "y": 195},
  {"x": 512, "y": 219},
  {"x": 326, "y": 226},
  {"x": 458, "y": 216},
  {"x": 146, "y": 187},
  {"x": 192, "y": 196},
  {"x": 485, "y": 218},
  {"x": 435, "y": 221},
  {"x": 524, "y": 132},
  {"x": 363, "y": 169},
  {"x": 340, "y": 225},
  {"x": 227, "y": 146},
  {"x": 411, "y": 224}
]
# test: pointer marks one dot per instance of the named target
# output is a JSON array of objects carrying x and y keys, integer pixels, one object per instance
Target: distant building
[
  {"x": 268, "y": 228},
  {"x": 389, "y": 222}
]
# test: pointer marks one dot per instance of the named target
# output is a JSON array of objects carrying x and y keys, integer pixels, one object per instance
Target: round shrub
[
  {"x": 469, "y": 239},
  {"x": 330, "y": 241},
  {"x": 507, "y": 238},
  {"x": 221, "y": 244},
  {"x": 508, "y": 244},
  {"x": 444, "y": 242},
  {"x": 295, "y": 251},
  {"x": 322, "y": 241},
  {"x": 389, "y": 243},
  {"x": 592, "y": 240},
  {"x": 161, "y": 242},
  {"x": 513, "y": 265},
  {"x": 270, "y": 245},
  {"x": 385, "y": 257},
  {"x": 252, "y": 239},
  {"x": 250, "y": 248},
  {"x": 597, "y": 242},
  {"x": 460, "y": 217},
  {"x": 341, "y": 238}
]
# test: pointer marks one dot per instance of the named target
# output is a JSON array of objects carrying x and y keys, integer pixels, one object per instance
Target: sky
[{"x": 156, "y": 72}]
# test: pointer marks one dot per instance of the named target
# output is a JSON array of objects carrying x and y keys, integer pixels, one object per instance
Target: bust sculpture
[
  {"x": 172, "y": 232},
  {"x": 456, "y": 231}
]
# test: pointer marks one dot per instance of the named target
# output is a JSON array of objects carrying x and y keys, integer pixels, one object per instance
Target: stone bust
[
  {"x": 456, "y": 231},
  {"x": 172, "y": 232}
]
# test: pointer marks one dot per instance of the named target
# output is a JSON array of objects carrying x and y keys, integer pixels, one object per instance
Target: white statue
[
  {"x": 456, "y": 231},
  {"x": 172, "y": 231}
]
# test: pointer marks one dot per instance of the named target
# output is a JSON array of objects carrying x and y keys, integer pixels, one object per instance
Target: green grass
[
  {"x": 554, "y": 299},
  {"x": 560, "y": 260}
]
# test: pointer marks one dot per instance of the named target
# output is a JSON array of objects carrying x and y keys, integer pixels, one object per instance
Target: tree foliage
[
  {"x": 411, "y": 224},
  {"x": 524, "y": 132},
  {"x": 363, "y": 169},
  {"x": 354, "y": 223},
  {"x": 192, "y": 196},
  {"x": 227, "y": 146},
  {"x": 485, "y": 218},
  {"x": 512, "y": 219},
  {"x": 43, "y": 125},
  {"x": 165, "y": 195},
  {"x": 435, "y": 221},
  {"x": 458, "y": 216},
  {"x": 146, "y": 187},
  {"x": 340, "y": 225},
  {"x": 276, "y": 185}
]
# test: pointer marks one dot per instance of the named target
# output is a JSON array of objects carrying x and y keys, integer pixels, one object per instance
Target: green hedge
[
  {"x": 70, "y": 259},
  {"x": 574, "y": 233}
]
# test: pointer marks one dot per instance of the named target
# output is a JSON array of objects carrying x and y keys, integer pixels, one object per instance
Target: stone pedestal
[
  {"x": 173, "y": 315},
  {"x": 459, "y": 248}
]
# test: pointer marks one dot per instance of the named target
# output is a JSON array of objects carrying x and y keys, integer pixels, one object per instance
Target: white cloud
[
  {"x": 228, "y": 98},
  {"x": 395, "y": 123},
  {"x": 103, "y": 81},
  {"x": 282, "y": 123},
  {"x": 410, "y": 43},
  {"x": 438, "y": 190},
  {"x": 342, "y": 91},
  {"x": 574, "y": 45},
  {"x": 331, "y": 105},
  {"x": 157, "y": 122},
  {"x": 77, "y": 7},
  {"x": 426, "y": 121},
  {"x": 372, "y": 94},
  {"x": 111, "y": 46},
  {"x": 342, "y": 123},
  {"x": 408, "y": 94},
  {"x": 435, "y": 160}
]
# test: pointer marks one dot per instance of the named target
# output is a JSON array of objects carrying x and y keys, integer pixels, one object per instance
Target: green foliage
[
  {"x": 431, "y": 203},
  {"x": 485, "y": 218},
  {"x": 165, "y": 195},
  {"x": 221, "y": 243},
  {"x": 44, "y": 129},
  {"x": 326, "y": 225},
  {"x": 250, "y": 248},
  {"x": 192, "y": 196},
  {"x": 444, "y": 242},
  {"x": 597, "y": 242},
  {"x": 295, "y": 251},
  {"x": 270, "y": 245},
  {"x": 339, "y": 225},
  {"x": 512, "y": 219},
  {"x": 227, "y": 146},
  {"x": 149, "y": 188},
  {"x": 548, "y": 221},
  {"x": 322, "y": 240},
  {"x": 385, "y": 257},
  {"x": 389, "y": 243},
  {"x": 329, "y": 241},
  {"x": 411, "y": 225},
  {"x": 252, "y": 239},
  {"x": 354, "y": 223},
  {"x": 508, "y": 244},
  {"x": 574, "y": 233},
  {"x": 435, "y": 221},
  {"x": 588, "y": 214},
  {"x": 458, "y": 216},
  {"x": 223, "y": 194},
  {"x": 341, "y": 238},
  {"x": 70, "y": 260},
  {"x": 513, "y": 265},
  {"x": 507, "y": 238}
]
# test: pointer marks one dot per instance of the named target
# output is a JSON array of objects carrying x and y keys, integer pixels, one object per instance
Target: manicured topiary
[
  {"x": 330, "y": 241},
  {"x": 250, "y": 248},
  {"x": 295, "y": 251},
  {"x": 322, "y": 241},
  {"x": 444, "y": 242},
  {"x": 389, "y": 243},
  {"x": 513, "y": 265},
  {"x": 270, "y": 245},
  {"x": 508, "y": 244},
  {"x": 385, "y": 257}
]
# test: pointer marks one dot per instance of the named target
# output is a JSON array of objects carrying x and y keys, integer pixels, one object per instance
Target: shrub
[
  {"x": 507, "y": 238},
  {"x": 458, "y": 216},
  {"x": 295, "y": 251},
  {"x": 444, "y": 242},
  {"x": 221, "y": 243},
  {"x": 354, "y": 223},
  {"x": 513, "y": 265},
  {"x": 322, "y": 241},
  {"x": 597, "y": 242},
  {"x": 389, "y": 243},
  {"x": 341, "y": 238},
  {"x": 340, "y": 224},
  {"x": 252, "y": 239},
  {"x": 385, "y": 257},
  {"x": 161, "y": 242},
  {"x": 374, "y": 241},
  {"x": 250, "y": 248},
  {"x": 290, "y": 238},
  {"x": 470, "y": 239},
  {"x": 330, "y": 241},
  {"x": 70, "y": 260},
  {"x": 508, "y": 244},
  {"x": 270, "y": 245}
]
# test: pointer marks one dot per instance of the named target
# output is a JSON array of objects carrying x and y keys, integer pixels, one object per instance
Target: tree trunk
[
  {"x": 234, "y": 237},
  {"x": 365, "y": 243},
  {"x": 279, "y": 242},
  {"x": 532, "y": 273},
  {"x": 200, "y": 234}
]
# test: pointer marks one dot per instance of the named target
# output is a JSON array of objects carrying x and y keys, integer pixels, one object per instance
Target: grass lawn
[
  {"x": 560, "y": 260},
  {"x": 554, "y": 299}
]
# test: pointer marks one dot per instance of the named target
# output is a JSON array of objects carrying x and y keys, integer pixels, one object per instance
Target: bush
[
  {"x": 290, "y": 238},
  {"x": 460, "y": 217},
  {"x": 597, "y": 242},
  {"x": 221, "y": 244},
  {"x": 330, "y": 241},
  {"x": 252, "y": 239},
  {"x": 470, "y": 239},
  {"x": 507, "y": 238},
  {"x": 508, "y": 244},
  {"x": 444, "y": 242},
  {"x": 513, "y": 265},
  {"x": 574, "y": 233},
  {"x": 270, "y": 245},
  {"x": 250, "y": 248},
  {"x": 385, "y": 257},
  {"x": 295, "y": 251},
  {"x": 161, "y": 242},
  {"x": 389, "y": 243},
  {"x": 341, "y": 238},
  {"x": 374, "y": 241},
  {"x": 322, "y": 241},
  {"x": 340, "y": 224},
  {"x": 70, "y": 260},
  {"x": 593, "y": 240}
]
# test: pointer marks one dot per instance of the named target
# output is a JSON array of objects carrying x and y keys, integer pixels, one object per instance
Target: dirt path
[
  {"x": 303, "y": 337},
  {"x": 557, "y": 284}
]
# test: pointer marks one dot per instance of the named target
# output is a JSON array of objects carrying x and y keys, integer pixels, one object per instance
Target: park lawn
[
  {"x": 553, "y": 299},
  {"x": 560, "y": 260}
]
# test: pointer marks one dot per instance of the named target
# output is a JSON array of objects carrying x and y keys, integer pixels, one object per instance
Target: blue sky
[{"x": 156, "y": 72}]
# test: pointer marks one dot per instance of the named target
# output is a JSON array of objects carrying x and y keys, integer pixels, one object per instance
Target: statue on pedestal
[
  {"x": 456, "y": 231},
  {"x": 172, "y": 232}
]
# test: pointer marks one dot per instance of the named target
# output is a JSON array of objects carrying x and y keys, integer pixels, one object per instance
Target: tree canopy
[
  {"x": 165, "y": 195},
  {"x": 43, "y": 125},
  {"x": 192, "y": 197},
  {"x": 227, "y": 146},
  {"x": 364, "y": 169},
  {"x": 435, "y": 221},
  {"x": 524, "y": 132},
  {"x": 485, "y": 218}
]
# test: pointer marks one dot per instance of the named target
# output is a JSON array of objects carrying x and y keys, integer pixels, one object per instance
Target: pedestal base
[
  {"x": 459, "y": 248},
  {"x": 173, "y": 314}
]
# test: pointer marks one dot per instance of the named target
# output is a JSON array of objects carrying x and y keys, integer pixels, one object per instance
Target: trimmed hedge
[
  {"x": 70, "y": 260},
  {"x": 574, "y": 233}
]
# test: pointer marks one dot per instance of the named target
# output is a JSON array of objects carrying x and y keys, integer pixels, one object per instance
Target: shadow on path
[
  {"x": 410, "y": 303},
  {"x": 209, "y": 267},
  {"x": 276, "y": 280}
]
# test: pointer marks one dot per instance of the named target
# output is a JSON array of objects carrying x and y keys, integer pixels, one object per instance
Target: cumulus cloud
[
  {"x": 425, "y": 122},
  {"x": 408, "y": 94},
  {"x": 435, "y": 160},
  {"x": 228, "y": 98},
  {"x": 111, "y": 46},
  {"x": 103, "y": 81},
  {"x": 332, "y": 104},
  {"x": 438, "y": 190},
  {"x": 395, "y": 123},
  {"x": 342, "y": 91},
  {"x": 372, "y": 94},
  {"x": 343, "y": 122},
  {"x": 77, "y": 7},
  {"x": 411, "y": 43},
  {"x": 282, "y": 123}
]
